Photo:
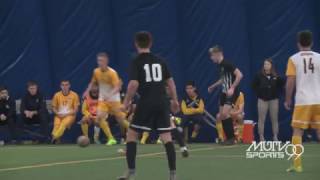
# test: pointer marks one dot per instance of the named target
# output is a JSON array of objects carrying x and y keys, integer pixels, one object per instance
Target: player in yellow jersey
[
  {"x": 237, "y": 115},
  {"x": 65, "y": 104},
  {"x": 303, "y": 75},
  {"x": 89, "y": 111},
  {"x": 109, "y": 92}
]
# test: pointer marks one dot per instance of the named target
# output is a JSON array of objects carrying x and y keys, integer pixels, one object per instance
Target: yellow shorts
[
  {"x": 68, "y": 121},
  {"x": 306, "y": 116},
  {"x": 112, "y": 108}
]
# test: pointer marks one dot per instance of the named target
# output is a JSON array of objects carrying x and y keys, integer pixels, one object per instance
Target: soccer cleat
[
  {"x": 128, "y": 175},
  {"x": 97, "y": 141},
  {"x": 173, "y": 175},
  {"x": 295, "y": 169},
  {"x": 111, "y": 142},
  {"x": 125, "y": 178},
  {"x": 228, "y": 142}
]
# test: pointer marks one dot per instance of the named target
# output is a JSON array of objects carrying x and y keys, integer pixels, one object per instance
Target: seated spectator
[
  {"x": 7, "y": 112},
  {"x": 34, "y": 110},
  {"x": 192, "y": 107},
  {"x": 65, "y": 105}
]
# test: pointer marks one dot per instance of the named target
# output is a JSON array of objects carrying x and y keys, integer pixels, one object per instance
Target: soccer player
[
  {"x": 192, "y": 108},
  {"x": 303, "y": 74},
  {"x": 149, "y": 76},
  {"x": 89, "y": 111},
  {"x": 237, "y": 115},
  {"x": 65, "y": 105},
  {"x": 230, "y": 79},
  {"x": 109, "y": 93}
]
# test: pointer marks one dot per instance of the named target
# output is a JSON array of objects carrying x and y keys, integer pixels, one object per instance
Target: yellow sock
[
  {"x": 240, "y": 135},
  {"x": 220, "y": 130},
  {"x": 194, "y": 134},
  {"x": 59, "y": 132},
  {"x": 297, "y": 140},
  {"x": 85, "y": 129},
  {"x": 144, "y": 138},
  {"x": 125, "y": 124},
  {"x": 104, "y": 125}
]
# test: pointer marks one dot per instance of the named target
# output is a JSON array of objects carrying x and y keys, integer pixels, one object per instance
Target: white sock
[{"x": 96, "y": 131}]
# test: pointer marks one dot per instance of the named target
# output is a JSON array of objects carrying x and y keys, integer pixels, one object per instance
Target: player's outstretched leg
[
  {"x": 171, "y": 154},
  {"x": 131, "y": 154},
  {"x": 179, "y": 138}
]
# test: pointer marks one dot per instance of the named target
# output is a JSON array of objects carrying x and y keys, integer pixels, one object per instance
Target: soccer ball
[
  {"x": 83, "y": 141},
  {"x": 121, "y": 152}
]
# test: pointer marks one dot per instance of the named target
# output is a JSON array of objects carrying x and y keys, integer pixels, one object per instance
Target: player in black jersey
[
  {"x": 230, "y": 77},
  {"x": 149, "y": 76}
]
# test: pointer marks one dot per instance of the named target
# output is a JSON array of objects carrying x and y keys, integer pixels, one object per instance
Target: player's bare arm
[
  {"x": 131, "y": 91},
  {"x": 290, "y": 86},
  {"x": 236, "y": 82},
  {"x": 214, "y": 85},
  {"x": 172, "y": 92}
]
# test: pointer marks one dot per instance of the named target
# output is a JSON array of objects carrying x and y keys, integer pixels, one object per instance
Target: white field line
[{"x": 102, "y": 159}]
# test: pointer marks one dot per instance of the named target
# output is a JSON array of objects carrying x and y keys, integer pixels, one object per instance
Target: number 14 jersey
[{"x": 305, "y": 66}]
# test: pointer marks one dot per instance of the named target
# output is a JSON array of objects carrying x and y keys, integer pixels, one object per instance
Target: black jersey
[
  {"x": 227, "y": 75},
  {"x": 151, "y": 72}
]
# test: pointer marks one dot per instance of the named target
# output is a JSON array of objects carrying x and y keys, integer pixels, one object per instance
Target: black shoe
[{"x": 229, "y": 142}]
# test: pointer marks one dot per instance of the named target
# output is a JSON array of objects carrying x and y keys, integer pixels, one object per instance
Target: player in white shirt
[{"x": 303, "y": 75}]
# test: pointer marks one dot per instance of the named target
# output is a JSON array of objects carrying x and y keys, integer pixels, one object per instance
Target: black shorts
[
  {"x": 225, "y": 100},
  {"x": 150, "y": 117}
]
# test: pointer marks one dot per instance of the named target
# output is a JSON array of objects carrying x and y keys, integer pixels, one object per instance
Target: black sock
[
  {"x": 178, "y": 137},
  {"x": 131, "y": 155},
  {"x": 227, "y": 125},
  {"x": 171, "y": 155}
]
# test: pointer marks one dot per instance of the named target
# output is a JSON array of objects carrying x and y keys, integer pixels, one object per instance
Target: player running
[
  {"x": 303, "y": 74},
  {"x": 237, "y": 115},
  {"x": 230, "y": 79},
  {"x": 109, "y": 93},
  {"x": 149, "y": 76}
]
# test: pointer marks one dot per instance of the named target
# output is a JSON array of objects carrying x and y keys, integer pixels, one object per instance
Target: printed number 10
[{"x": 155, "y": 74}]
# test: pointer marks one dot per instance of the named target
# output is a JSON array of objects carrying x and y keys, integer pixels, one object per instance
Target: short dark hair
[
  {"x": 305, "y": 38},
  {"x": 2, "y": 88},
  {"x": 103, "y": 54},
  {"x": 143, "y": 39},
  {"x": 215, "y": 49},
  {"x": 31, "y": 83},
  {"x": 191, "y": 83}
]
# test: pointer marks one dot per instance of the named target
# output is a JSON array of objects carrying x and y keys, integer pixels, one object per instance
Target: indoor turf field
[{"x": 95, "y": 162}]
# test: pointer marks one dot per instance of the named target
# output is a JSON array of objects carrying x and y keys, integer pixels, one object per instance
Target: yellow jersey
[
  {"x": 107, "y": 80},
  {"x": 65, "y": 104}
]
